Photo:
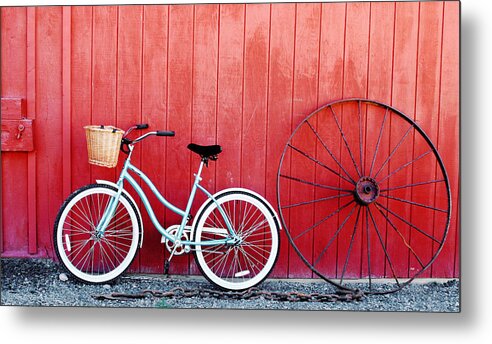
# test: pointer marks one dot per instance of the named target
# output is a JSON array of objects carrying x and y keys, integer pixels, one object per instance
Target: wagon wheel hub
[{"x": 366, "y": 191}]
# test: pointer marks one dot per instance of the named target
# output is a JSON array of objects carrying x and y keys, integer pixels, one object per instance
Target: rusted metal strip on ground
[{"x": 252, "y": 293}]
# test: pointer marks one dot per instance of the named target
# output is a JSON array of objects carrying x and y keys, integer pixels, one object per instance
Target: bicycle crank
[{"x": 175, "y": 247}]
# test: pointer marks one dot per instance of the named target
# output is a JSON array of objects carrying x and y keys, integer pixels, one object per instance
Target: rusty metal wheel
[{"x": 364, "y": 196}]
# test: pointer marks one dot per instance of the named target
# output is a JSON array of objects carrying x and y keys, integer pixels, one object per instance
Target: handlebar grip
[
  {"x": 142, "y": 126},
  {"x": 165, "y": 133}
]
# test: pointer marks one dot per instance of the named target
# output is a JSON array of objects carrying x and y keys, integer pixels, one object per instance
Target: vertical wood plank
[
  {"x": 180, "y": 95},
  {"x": 154, "y": 112},
  {"x": 31, "y": 203},
  {"x": 14, "y": 174},
  {"x": 355, "y": 85},
  {"x": 230, "y": 94},
  {"x": 204, "y": 118},
  {"x": 426, "y": 115},
  {"x": 379, "y": 88},
  {"x": 128, "y": 86},
  {"x": 448, "y": 143},
  {"x": 279, "y": 125},
  {"x": 31, "y": 113},
  {"x": 305, "y": 99},
  {"x": 257, "y": 40},
  {"x": 81, "y": 92},
  {"x": 331, "y": 71},
  {"x": 66, "y": 101},
  {"x": 48, "y": 110},
  {"x": 104, "y": 69},
  {"x": 403, "y": 98}
]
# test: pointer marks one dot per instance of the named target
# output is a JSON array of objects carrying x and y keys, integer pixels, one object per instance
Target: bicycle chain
[{"x": 249, "y": 294}]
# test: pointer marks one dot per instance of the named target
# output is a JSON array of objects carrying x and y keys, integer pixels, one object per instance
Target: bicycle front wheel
[
  {"x": 87, "y": 256},
  {"x": 248, "y": 262}
]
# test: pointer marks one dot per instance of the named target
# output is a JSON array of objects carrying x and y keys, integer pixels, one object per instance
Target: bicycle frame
[{"x": 230, "y": 239}]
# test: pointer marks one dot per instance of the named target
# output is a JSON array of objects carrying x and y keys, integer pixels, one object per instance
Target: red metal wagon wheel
[{"x": 364, "y": 196}]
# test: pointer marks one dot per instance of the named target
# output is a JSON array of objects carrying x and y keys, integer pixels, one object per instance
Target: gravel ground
[{"x": 36, "y": 282}]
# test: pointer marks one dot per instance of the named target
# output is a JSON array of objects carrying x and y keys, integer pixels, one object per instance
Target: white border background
[{"x": 93, "y": 325}]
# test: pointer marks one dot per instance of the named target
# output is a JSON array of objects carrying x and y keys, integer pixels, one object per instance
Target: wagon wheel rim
[{"x": 363, "y": 185}]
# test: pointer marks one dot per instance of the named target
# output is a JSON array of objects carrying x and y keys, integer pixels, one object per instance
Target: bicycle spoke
[
  {"x": 393, "y": 151},
  {"x": 414, "y": 203},
  {"x": 314, "y": 184},
  {"x": 401, "y": 236},
  {"x": 322, "y": 220},
  {"x": 350, "y": 245},
  {"x": 77, "y": 251},
  {"x": 255, "y": 228},
  {"x": 345, "y": 141},
  {"x": 408, "y": 223},
  {"x": 405, "y": 165},
  {"x": 412, "y": 185},
  {"x": 81, "y": 217},
  {"x": 316, "y": 200},
  {"x": 334, "y": 236},
  {"x": 319, "y": 163},
  {"x": 383, "y": 246},
  {"x": 329, "y": 151},
  {"x": 89, "y": 212},
  {"x": 252, "y": 259}
]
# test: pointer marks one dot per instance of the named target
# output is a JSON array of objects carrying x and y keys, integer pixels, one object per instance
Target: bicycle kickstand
[{"x": 167, "y": 263}]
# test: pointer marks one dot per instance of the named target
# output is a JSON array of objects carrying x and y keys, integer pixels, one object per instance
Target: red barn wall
[{"x": 242, "y": 76}]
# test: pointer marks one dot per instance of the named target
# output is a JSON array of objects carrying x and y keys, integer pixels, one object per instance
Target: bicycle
[{"x": 234, "y": 236}]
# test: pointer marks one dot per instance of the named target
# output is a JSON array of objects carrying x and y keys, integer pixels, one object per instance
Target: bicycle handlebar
[
  {"x": 142, "y": 126},
  {"x": 125, "y": 142},
  {"x": 165, "y": 133}
]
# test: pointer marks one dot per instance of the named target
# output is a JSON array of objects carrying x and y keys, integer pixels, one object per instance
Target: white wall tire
[
  {"x": 87, "y": 258},
  {"x": 242, "y": 266}
]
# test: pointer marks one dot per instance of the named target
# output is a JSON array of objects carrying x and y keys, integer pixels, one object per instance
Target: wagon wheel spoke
[
  {"x": 378, "y": 142},
  {"x": 345, "y": 141},
  {"x": 350, "y": 246},
  {"x": 405, "y": 165},
  {"x": 412, "y": 185},
  {"x": 368, "y": 248},
  {"x": 314, "y": 184},
  {"x": 402, "y": 237},
  {"x": 383, "y": 246},
  {"x": 360, "y": 136},
  {"x": 408, "y": 223},
  {"x": 323, "y": 220},
  {"x": 394, "y": 150},
  {"x": 414, "y": 203},
  {"x": 332, "y": 239},
  {"x": 329, "y": 152},
  {"x": 319, "y": 162},
  {"x": 316, "y": 200}
]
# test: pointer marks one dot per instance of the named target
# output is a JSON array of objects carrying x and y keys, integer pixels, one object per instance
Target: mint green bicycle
[{"x": 234, "y": 236}]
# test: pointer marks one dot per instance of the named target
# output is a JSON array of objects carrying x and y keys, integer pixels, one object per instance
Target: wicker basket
[{"x": 103, "y": 144}]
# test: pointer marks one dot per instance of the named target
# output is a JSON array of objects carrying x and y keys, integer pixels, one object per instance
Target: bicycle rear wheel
[
  {"x": 248, "y": 262},
  {"x": 363, "y": 194},
  {"x": 88, "y": 257}
]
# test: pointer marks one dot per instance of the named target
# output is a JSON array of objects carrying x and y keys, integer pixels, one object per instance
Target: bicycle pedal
[{"x": 166, "y": 267}]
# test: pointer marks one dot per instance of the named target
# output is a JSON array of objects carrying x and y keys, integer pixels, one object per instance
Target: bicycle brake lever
[{"x": 124, "y": 145}]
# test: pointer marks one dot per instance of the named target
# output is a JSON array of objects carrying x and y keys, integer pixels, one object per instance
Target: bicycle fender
[
  {"x": 106, "y": 182},
  {"x": 269, "y": 206}
]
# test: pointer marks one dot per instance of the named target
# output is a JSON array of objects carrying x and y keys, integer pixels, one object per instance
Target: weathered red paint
[{"x": 240, "y": 75}]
